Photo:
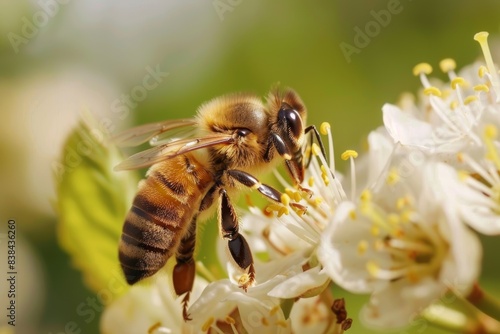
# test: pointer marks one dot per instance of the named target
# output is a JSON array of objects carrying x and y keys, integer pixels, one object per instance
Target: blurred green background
[{"x": 59, "y": 57}]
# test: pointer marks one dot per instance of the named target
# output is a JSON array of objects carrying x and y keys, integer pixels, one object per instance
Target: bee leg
[
  {"x": 293, "y": 161},
  {"x": 268, "y": 191},
  {"x": 185, "y": 269},
  {"x": 237, "y": 245}
]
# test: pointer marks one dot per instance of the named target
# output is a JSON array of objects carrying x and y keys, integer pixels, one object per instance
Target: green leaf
[{"x": 92, "y": 201}]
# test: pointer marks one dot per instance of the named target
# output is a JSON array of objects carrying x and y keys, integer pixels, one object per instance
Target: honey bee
[{"x": 231, "y": 139}]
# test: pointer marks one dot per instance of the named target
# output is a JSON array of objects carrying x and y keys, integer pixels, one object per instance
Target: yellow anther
[
  {"x": 230, "y": 320},
  {"x": 393, "y": 219},
  {"x": 270, "y": 208},
  {"x": 469, "y": 99},
  {"x": 285, "y": 199},
  {"x": 307, "y": 152},
  {"x": 310, "y": 182},
  {"x": 481, "y": 88},
  {"x": 460, "y": 157},
  {"x": 206, "y": 326},
  {"x": 362, "y": 247},
  {"x": 352, "y": 215},
  {"x": 432, "y": 91},
  {"x": 402, "y": 202},
  {"x": 282, "y": 323},
  {"x": 315, "y": 149},
  {"x": 372, "y": 268},
  {"x": 295, "y": 195},
  {"x": 366, "y": 195},
  {"x": 463, "y": 175},
  {"x": 490, "y": 131},
  {"x": 264, "y": 321},
  {"x": 298, "y": 210},
  {"x": 446, "y": 65},
  {"x": 283, "y": 211},
  {"x": 318, "y": 201},
  {"x": 325, "y": 174},
  {"x": 349, "y": 154},
  {"x": 453, "y": 105},
  {"x": 406, "y": 216},
  {"x": 393, "y": 177},
  {"x": 482, "y": 38},
  {"x": 324, "y": 128},
  {"x": 482, "y": 71},
  {"x": 422, "y": 68},
  {"x": 458, "y": 81},
  {"x": 154, "y": 327},
  {"x": 243, "y": 280},
  {"x": 375, "y": 230},
  {"x": 274, "y": 310}
]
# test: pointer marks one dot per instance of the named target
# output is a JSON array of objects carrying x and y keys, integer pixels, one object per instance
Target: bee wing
[
  {"x": 143, "y": 133},
  {"x": 170, "y": 150}
]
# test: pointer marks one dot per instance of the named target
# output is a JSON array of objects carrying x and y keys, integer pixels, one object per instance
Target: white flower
[
  {"x": 476, "y": 190},
  {"x": 448, "y": 118},
  {"x": 150, "y": 309},
  {"x": 224, "y": 307},
  {"x": 401, "y": 242}
]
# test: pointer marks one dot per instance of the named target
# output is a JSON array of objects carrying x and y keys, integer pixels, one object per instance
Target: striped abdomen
[{"x": 165, "y": 204}]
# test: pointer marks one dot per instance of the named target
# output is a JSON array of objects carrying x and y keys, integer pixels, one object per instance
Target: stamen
[
  {"x": 422, "y": 70},
  {"x": 411, "y": 245},
  {"x": 482, "y": 71},
  {"x": 315, "y": 149},
  {"x": 310, "y": 182},
  {"x": 325, "y": 174},
  {"x": 374, "y": 270},
  {"x": 447, "y": 65},
  {"x": 366, "y": 196},
  {"x": 490, "y": 134},
  {"x": 482, "y": 39},
  {"x": 351, "y": 155},
  {"x": 470, "y": 99},
  {"x": 432, "y": 91},
  {"x": 294, "y": 194},
  {"x": 206, "y": 326},
  {"x": 231, "y": 322},
  {"x": 326, "y": 129},
  {"x": 352, "y": 215},
  {"x": 154, "y": 327},
  {"x": 458, "y": 81},
  {"x": 285, "y": 199},
  {"x": 481, "y": 88},
  {"x": 362, "y": 247},
  {"x": 393, "y": 177},
  {"x": 274, "y": 310},
  {"x": 282, "y": 323}
]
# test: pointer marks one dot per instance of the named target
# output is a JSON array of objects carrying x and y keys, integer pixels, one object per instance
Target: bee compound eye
[{"x": 292, "y": 120}]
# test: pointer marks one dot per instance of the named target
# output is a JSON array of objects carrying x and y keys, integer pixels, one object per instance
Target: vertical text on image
[{"x": 363, "y": 37}]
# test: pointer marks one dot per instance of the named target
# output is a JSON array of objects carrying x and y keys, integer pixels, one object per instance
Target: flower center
[{"x": 413, "y": 251}]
